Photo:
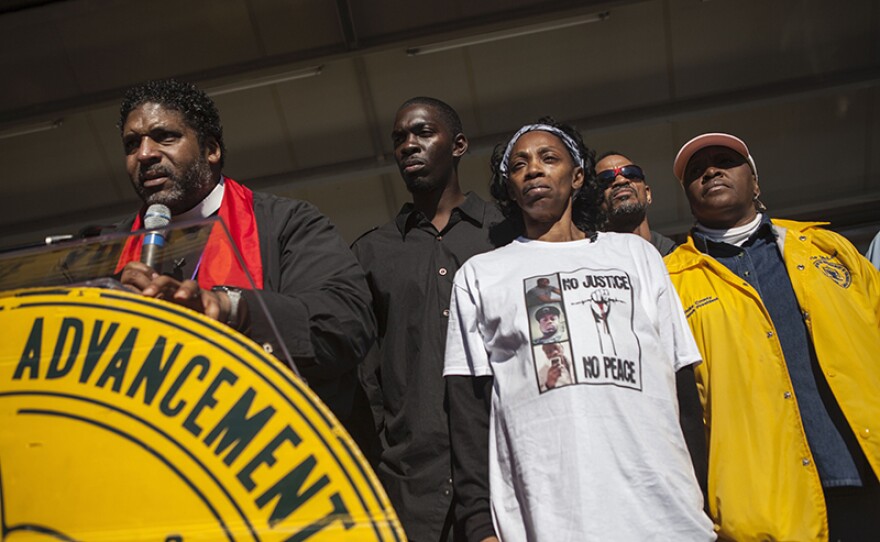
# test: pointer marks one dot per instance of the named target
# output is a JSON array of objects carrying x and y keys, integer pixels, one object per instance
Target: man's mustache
[{"x": 153, "y": 172}]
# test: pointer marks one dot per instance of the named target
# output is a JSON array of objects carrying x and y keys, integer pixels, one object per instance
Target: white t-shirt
[{"x": 599, "y": 454}]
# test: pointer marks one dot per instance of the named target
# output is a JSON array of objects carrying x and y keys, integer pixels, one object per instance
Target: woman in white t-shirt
[{"x": 582, "y": 440}]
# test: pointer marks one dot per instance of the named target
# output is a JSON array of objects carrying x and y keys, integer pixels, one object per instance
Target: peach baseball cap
[{"x": 712, "y": 139}]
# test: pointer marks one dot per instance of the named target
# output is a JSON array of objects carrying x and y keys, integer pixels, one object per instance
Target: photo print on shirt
[{"x": 581, "y": 325}]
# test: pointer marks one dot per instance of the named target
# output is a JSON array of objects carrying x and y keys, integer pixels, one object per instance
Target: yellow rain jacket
[{"x": 763, "y": 484}]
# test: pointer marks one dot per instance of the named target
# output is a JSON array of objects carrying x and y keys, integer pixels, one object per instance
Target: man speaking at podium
[{"x": 310, "y": 282}]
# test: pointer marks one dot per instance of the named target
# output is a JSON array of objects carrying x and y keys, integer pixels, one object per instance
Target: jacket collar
[
  {"x": 704, "y": 243},
  {"x": 692, "y": 252}
]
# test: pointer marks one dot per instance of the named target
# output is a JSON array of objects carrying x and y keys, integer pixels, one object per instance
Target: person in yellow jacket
[{"x": 787, "y": 318}]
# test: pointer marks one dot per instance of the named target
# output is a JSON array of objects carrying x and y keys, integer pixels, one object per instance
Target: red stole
[{"x": 219, "y": 266}]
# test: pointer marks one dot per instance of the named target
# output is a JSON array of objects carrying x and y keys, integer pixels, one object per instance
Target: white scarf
[{"x": 733, "y": 236}]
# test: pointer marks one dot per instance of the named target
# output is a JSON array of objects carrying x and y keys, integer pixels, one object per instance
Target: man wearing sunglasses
[
  {"x": 626, "y": 199},
  {"x": 787, "y": 318}
]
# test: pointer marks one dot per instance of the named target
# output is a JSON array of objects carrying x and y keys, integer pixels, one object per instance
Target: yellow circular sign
[{"x": 126, "y": 418}]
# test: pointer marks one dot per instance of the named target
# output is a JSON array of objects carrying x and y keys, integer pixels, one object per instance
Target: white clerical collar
[
  {"x": 205, "y": 208},
  {"x": 733, "y": 236}
]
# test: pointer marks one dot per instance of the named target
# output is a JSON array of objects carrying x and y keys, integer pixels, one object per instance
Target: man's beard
[
  {"x": 627, "y": 215},
  {"x": 191, "y": 184}
]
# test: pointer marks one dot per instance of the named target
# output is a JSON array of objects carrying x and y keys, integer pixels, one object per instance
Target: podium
[{"x": 129, "y": 418}]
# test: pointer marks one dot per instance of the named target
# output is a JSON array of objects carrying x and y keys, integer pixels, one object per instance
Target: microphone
[{"x": 156, "y": 218}]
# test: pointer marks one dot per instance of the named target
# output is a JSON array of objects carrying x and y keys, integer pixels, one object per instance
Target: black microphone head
[{"x": 157, "y": 216}]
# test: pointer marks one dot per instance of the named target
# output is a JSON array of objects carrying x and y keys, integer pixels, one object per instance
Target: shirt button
[
  {"x": 267, "y": 348},
  {"x": 787, "y": 395},
  {"x": 747, "y": 273},
  {"x": 769, "y": 334},
  {"x": 805, "y": 461},
  {"x": 800, "y": 267},
  {"x": 449, "y": 481},
  {"x": 439, "y": 237},
  {"x": 803, "y": 237},
  {"x": 446, "y": 312},
  {"x": 806, "y": 315},
  {"x": 865, "y": 433},
  {"x": 446, "y": 492},
  {"x": 442, "y": 271}
]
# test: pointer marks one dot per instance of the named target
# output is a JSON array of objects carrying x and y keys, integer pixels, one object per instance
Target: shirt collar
[
  {"x": 205, "y": 208},
  {"x": 764, "y": 229},
  {"x": 472, "y": 208}
]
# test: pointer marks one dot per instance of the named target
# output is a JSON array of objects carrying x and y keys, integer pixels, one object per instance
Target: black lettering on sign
[
  {"x": 30, "y": 356},
  {"x": 97, "y": 346},
  {"x": 266, "y": 456},
  {"x": 188, "y": 387},
  {"x": 237, "y": 428},
  {"x": 165, "y": 406},
  {"x": 288, "y": 491},
  {"x": 153, "y": 372},
  {"x": 570, "y": 284},
  {"x": 119, "y": 362},
  {"x": 208, "y": 400},
  {"x": 68, "y": 324}
]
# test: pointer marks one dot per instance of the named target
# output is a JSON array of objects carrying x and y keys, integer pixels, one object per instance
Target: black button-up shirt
[{"x": 410, "y": 266}]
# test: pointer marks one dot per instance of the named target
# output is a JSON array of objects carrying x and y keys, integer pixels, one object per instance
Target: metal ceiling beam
[
  {"x": 12, "y": 6},
  {"x": 346, "y": 25}
]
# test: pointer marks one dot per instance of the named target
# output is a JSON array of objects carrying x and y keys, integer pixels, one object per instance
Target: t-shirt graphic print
[{"x": 582, "y": 331}]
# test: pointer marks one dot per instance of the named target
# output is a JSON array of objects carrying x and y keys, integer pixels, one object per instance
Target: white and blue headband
[{"x": 566, "y": 139}]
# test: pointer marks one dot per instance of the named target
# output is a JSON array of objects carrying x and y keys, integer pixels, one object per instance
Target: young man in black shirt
[{"x": 410, "y": 263}]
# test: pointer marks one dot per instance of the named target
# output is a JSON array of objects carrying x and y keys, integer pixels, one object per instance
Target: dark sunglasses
[{"x": 631, "y": 172}]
